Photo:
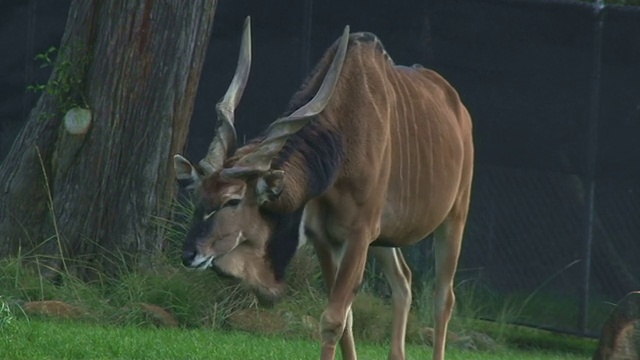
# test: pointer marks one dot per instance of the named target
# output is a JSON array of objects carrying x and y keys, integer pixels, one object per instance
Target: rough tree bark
[{"x": 93, "y": 197}]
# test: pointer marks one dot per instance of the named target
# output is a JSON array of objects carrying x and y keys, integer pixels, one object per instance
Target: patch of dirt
[
  {"x": 52, "y": 308},
  {"x": 426, "y": 335},
  {"x": 158, "y": 315},
  {"x": 271, "y": 321},
  {"x": 472, "y": 340}
]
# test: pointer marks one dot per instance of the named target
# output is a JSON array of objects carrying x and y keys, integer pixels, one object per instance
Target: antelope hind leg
[
  {"x": 447, "y": 251},
  {"x": 399, "y": 277}
]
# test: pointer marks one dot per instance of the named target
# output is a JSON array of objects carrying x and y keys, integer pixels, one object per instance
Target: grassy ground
[
  {"x": 218, "y": 320},
  {"x": 214, "y": 319},
  {"x": 40, "y": 339}
]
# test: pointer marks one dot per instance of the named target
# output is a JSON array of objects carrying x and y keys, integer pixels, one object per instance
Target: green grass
[
  {"x": 220, "y": 320},
  {"x": 542, "y": 308},
  {"x": 206, "y": 310},
  {"x": 39, "y": 339}
]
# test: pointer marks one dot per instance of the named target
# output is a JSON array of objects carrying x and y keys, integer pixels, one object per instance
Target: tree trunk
[{"x": 93, "y": 198}]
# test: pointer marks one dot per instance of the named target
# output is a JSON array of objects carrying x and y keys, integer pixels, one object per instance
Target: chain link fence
[{"x": 554, "y": 228}]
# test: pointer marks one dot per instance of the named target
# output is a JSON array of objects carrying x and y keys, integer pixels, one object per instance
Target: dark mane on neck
[
  {"x": 322, "y": 150},
  {"x": 321, "y": 147},
  {"x": 284, "y": 240}
]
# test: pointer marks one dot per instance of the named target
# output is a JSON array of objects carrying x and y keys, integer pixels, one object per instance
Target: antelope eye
[{"x": 233, "y": 202}]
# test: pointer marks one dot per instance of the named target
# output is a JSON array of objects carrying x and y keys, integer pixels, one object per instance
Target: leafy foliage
[
  {"x": 67, "y": 83},
  {"x": 6, "y": 316}
]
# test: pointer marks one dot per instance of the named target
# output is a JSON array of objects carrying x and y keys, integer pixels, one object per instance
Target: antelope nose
[{"x": 188, "y": 256}]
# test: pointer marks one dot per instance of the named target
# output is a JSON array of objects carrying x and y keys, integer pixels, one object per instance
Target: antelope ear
[
  {"x": 270, "y": 186},
  {"x": 186, "y": 174}
]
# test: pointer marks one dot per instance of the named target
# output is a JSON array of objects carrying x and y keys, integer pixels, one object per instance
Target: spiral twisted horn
[
  {"x": 259, "y": 160},
  {"x": 224, "y": 141}
]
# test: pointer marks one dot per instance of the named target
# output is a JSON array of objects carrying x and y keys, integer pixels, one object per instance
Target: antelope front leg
[
  {"x": 328, "y": 264},
  {"x": 346, "y": 284}
]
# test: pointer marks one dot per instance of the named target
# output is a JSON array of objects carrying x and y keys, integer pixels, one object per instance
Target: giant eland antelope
[{"x": 369, "y": 156}]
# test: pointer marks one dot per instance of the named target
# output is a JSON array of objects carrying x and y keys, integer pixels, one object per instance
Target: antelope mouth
[{"x": 201, "y": 262}]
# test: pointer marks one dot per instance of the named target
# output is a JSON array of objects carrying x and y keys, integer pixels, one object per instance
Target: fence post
[
  {"x": 592, "y": 149},
  {"x": 307, "y": 19}
]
